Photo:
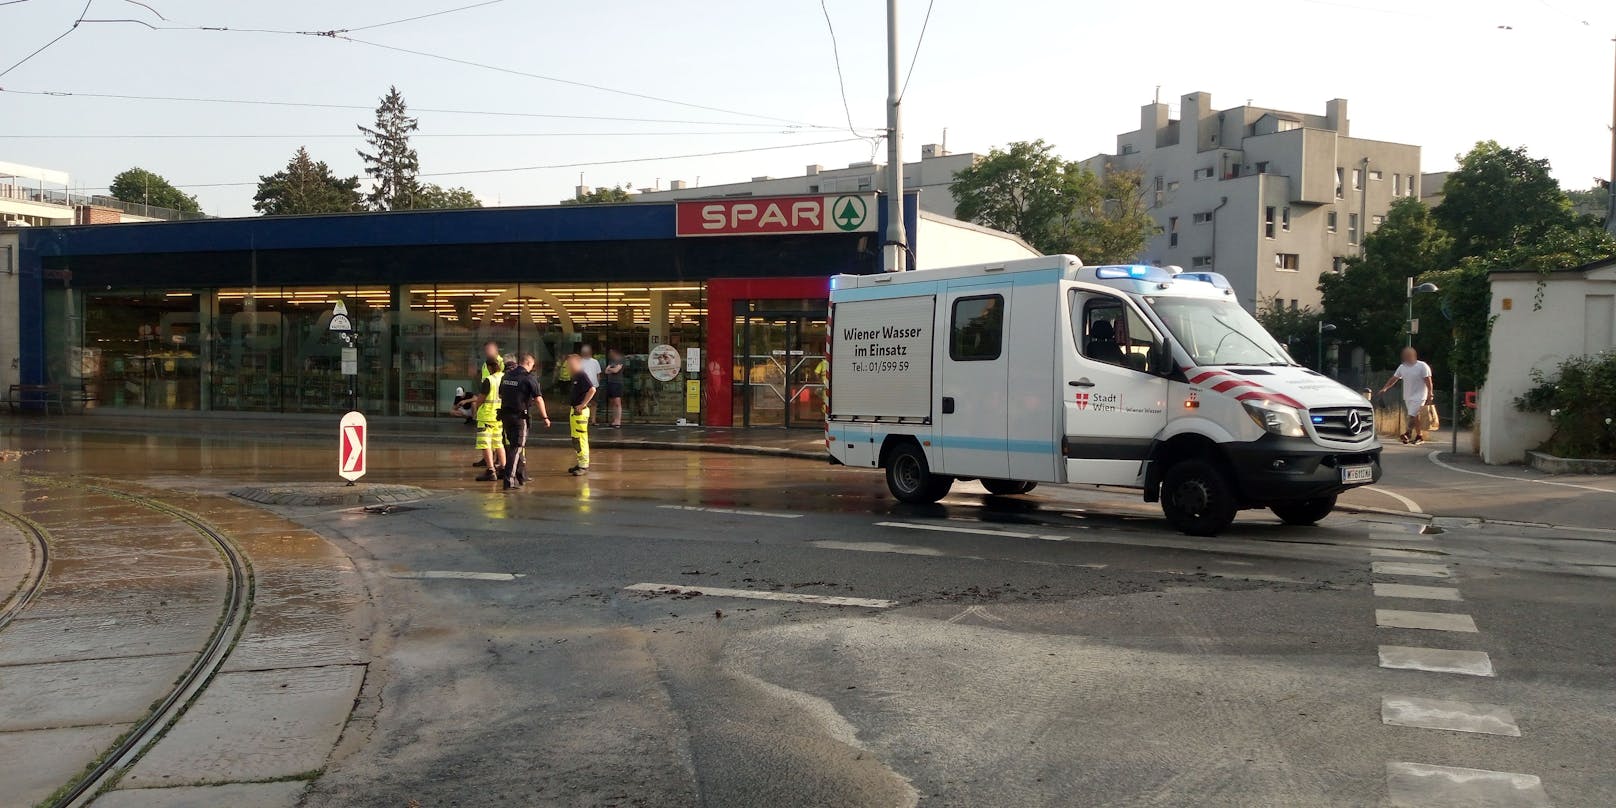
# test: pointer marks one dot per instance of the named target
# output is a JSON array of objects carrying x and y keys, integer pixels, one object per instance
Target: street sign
[
  {"x": 751, "y": 216},
  {"x": 350, "y": 361},
  {"x": 352, "y": 444},
  {"x": 339, "y": 319}
]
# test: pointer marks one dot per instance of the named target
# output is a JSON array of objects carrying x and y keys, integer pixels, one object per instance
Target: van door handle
[
  {"x": 1083, "y": 382},
  {"x": 948, "y": 405}
]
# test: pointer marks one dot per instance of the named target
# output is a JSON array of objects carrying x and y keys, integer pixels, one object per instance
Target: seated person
[{"x": 1102, "y": 345}]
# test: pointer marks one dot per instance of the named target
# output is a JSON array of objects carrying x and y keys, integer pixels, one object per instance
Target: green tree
[
  {"x": 1056, "y": 205},
  {"x": 1499, "y": 198},
  {"x": 142, "y": 187},
  {"x": 306, "y": 186},
  {"x": 1297, "y": 329},
  {"x": 1366, "y": 301},
  {"x": 1593, "y": 202},
  {"x": 598, "y": 196},
  {"x": 437, "y": 197},
  {"x": 1466, "y": 296},
  {"x": 391, "y": 163}
]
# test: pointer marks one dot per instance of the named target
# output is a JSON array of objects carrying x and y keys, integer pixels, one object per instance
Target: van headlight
[{"x": 1276, "y": 418}]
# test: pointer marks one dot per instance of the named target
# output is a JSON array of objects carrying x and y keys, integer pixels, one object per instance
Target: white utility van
[{"x": 1047, "y": 371}]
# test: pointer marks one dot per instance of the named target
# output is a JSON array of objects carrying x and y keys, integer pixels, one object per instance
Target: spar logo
[
  {"x": 849, "y": 212},
  {"x": 1082, "y": 401}
]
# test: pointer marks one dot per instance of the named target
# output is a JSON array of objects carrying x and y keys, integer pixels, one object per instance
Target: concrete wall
[
  {"x": 1578, "y": 317},
  {"x": 1297, "y": 155},
  {"x": 944, "y": 242}
]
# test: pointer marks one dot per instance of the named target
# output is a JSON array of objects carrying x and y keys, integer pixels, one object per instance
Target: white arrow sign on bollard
[{"x": 352, "y": 446}]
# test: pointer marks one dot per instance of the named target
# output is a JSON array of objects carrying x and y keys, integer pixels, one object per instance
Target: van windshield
[{"x": 1217, "y": 331}]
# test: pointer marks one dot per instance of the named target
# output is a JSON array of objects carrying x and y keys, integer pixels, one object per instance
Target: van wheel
[
  {"x": 1303, "y": 511},
  {"x": 1198, "y": 498},
  {"x": 1008, "y": 488},
  {"x": 910, "y": 480}
]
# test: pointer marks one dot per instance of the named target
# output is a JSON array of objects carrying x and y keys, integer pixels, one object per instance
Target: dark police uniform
[{"x": 517, "y": 392}]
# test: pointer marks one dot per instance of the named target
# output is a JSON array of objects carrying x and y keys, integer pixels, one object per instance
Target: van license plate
[{"x": 1357, "y": 474}]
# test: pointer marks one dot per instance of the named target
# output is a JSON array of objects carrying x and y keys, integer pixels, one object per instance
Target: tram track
[
  {"x": 34, "y": 579},
  {"x": 129, "y": 748}
]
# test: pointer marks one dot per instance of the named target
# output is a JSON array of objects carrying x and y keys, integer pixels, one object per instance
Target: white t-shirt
[
  {"x": 1414, "y": 377},
  {"x": 591, "y": 368}
]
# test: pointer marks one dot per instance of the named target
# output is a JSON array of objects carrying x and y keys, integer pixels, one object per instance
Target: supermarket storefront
[{"x": 232, "y": 315}]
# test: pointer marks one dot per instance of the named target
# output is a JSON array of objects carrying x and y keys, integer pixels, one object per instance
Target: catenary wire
[
  {"x": 371, "y": 108},
  {"x": 915, "y": 56},
  {"x": 583, "y": 164},
  {"x": 59, "y": 37},
  {"x": 421, "y": 16},
  {"x": 836, "y": 56},
  {"x": 413, "y": 135}
]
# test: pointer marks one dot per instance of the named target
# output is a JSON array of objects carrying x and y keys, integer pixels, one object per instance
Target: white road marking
[
  {"x": 1393, "y": 552},
  {"x": 1450, "y": 467},
  {"x": 754, "y": 594},
  {"x": 1459, "y": 716},
  {"x": 976, "y": 611},
  {"x": 1398, "y": 537},
  {"x": 734, "y": 511},
  {"x": 1421, "y": 785},
  {"x": 877, "y": 547},
  {"x": 975, "y": 531},
  {"x": 1411, "y": 568},
  {"x": 1436, "y": 660},
  {"x": 457, "y": 576},
  {"x": 1411, "y": 505},
  {"x": 1432, "y": 621},
  {"x": 1413, "y": 591}
]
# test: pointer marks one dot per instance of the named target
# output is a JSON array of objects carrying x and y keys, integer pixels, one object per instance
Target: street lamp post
[
  {"x": 1422, "y": 289},
  {"x": 1324, "y": 328}
]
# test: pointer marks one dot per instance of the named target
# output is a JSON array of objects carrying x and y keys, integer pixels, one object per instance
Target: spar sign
[
  {"x": 352, "y": 439},
  {"x": 827, "y": 213}
]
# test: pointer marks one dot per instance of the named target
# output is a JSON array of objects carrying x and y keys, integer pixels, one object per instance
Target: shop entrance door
[{"x": 780, "y": 370}]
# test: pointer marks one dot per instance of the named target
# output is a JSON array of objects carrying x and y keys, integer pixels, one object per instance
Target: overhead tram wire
[
  {"x": 915, "y": 56},
  {"x": 330, "y": 136},
  {"x": 583, "y": 164},
  {"x": 59, "y": 37},
  {"x": 836, "y": 55},
  {"x": 371, "y": 108}
]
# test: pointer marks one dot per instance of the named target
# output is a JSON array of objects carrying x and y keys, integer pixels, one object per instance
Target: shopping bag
[{"x": 1432, "y": 422}]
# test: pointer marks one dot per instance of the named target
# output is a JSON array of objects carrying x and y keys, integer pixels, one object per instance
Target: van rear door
[
  {"x": 973, "y": 407},
  {"x": 1115, "y": 406}
]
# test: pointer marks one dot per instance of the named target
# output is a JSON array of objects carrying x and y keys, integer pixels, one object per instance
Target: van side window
[
  {"x": 977, "y": 329},
  {"x": 1107, "y": 330}
]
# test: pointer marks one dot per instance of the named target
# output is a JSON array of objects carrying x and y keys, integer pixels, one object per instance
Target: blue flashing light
[
  {"x": 1318, "y": 419},
  {"x": 1213, "y": 278},
  {"x": 1135, "y": 272}
]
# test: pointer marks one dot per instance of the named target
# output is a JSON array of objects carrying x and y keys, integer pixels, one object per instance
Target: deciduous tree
[
  {"x": 598, "y": 196},
  {"x": 1366, "y": 302},
  {"x": 1499, "y": 198},
  {"x": 432, "y": 196},
  {"x": 306, "y": 186},
  {"x": 142, "y": 187}
]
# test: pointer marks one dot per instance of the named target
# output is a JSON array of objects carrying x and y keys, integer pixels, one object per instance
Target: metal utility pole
[
  {"x": 895, "y": 250},
  {"x": 1610, "y": 186}
]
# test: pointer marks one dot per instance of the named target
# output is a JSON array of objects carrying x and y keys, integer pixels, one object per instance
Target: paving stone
[
  {"x": 254, "y": 725},
  {"x": 34, "y": 763},
  {"x": 235, "y": 795},
  {"x": 304, "y": 615},
  {"x": 98, "y": 636},
  {"x": 103, "y": 691}
]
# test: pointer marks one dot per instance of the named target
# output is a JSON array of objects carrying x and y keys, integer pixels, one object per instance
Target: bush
[{"x": 1581, "y": 404}]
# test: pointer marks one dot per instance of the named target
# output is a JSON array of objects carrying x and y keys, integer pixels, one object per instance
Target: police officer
[{"x": 518, "y": 391}]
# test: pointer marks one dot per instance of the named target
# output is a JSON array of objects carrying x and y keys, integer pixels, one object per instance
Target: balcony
[{"x": 68, "y": 199}]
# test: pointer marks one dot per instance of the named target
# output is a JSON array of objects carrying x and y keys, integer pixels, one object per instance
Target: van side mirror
[{"x": 1161, "y": 359}]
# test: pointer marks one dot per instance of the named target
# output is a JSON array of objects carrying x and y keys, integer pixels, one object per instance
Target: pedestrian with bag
[
  {"x": 580, "y": 397},
  {"x": 519, "y": 390},
  {"x": 1419, "y": 392}
]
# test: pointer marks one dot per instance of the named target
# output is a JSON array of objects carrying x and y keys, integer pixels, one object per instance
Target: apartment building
[
  {"x": 1271, "y": 199},
  {"x": 933, "y": 177},
  {"x": 41, "y": 197}
]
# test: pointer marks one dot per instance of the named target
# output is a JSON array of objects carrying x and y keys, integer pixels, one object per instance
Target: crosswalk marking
[
  {"x": 1416, "y": 591},
  {"x": 733, "y": 511},
  {"x": 1411, "y": 568},
  {"x": 755, "y": 594},
  {"x": 975, "y": 531},
  {"x": 1433, "y": 621},
  {"x": 1421, "y": 785},
  {"x": 1458, "y": 716},
  {"x": 1436, "y": 660}
]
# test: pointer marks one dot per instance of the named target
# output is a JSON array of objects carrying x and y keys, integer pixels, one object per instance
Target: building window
[
  {"x": 1352, "y": 228},
  {"x": 1357, "y": 179},
  {"x": 1338, "y": 264},
  {"x": 1205, "y": 173},
  {"x": 1330, "y": 221},
  {"x": 1288, "y": 125},
  {"x": 1294, "y": 301},
  {"x": 1397, "y": 185},
  {"x": 1159, "y": 186},
  {"x": 1172, "y": 231},
  {"x": 1127, "y": 148},
  {"x": 1262, "y": 168},
  {"x": 1268, "y": 221},
  {"x": 1202, "y": 218},
  {"x": 1411, "y": 186},
  {"x": 1201, "y": 262},
  {"x": 1377, "y": 221},
  {"x": 1173, "y": 185},
  {"x": 1376, "y": 175},
  {"x": 1287, "y": 262},
  {"x": 1340, "y": 179},
  {"x": 1285, "y": 219},
  {"x": 977, "y": 329},
  {"x": 813, "y": 189}
]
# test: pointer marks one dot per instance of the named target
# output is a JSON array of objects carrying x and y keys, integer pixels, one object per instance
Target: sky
[{"x": 758, "y": 82}]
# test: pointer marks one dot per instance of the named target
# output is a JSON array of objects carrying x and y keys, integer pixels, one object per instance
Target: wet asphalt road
[{"x": 1064, "y": 648}]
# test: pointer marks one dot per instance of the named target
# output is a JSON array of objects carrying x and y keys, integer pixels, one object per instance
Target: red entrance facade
[{"x": 727, "y": 375}]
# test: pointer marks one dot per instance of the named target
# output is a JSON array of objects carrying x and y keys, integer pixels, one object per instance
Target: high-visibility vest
[{"x": 489, "y": 411}]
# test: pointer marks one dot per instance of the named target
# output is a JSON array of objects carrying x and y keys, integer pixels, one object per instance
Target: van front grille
[{"x": 1351, "y": 424}]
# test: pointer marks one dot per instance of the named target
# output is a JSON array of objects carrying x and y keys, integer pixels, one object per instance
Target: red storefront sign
[{"x": 820, "y": 213}]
